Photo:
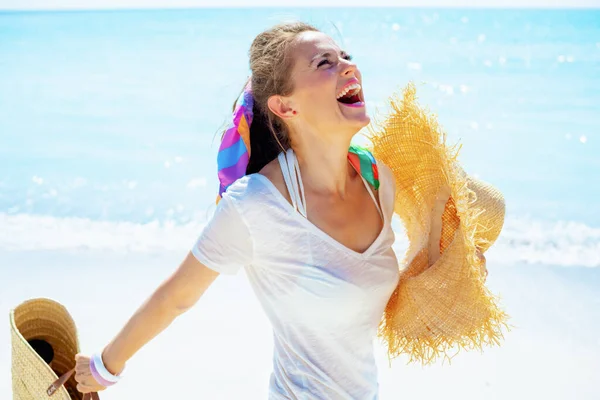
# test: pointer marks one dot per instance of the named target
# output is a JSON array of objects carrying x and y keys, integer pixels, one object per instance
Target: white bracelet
[{"x": 102, "y": 371}]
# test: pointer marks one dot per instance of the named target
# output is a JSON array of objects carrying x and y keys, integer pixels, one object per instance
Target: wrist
[{"x": 113, "y": 365}]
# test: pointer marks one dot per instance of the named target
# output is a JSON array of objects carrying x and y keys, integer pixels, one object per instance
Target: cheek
[
  {"x": 325, "y": 92},
  {"x": 319, "y": 99},
  {"x": 323, "y": 82},
  {"x": 317, "y": 95}
]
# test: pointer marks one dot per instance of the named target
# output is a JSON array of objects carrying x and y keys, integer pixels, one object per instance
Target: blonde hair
[{"x": 271, "y": 64}]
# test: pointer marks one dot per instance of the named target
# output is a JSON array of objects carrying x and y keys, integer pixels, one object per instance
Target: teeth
[{"x": 354, "y": 89}]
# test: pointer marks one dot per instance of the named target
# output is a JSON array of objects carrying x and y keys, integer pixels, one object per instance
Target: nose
[{"x": 349, "y": 68}]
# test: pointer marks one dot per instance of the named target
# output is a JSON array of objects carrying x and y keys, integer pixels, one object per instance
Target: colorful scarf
[
  {"x": 234, "y": 151},
  {"x": 363, "y": 161}
]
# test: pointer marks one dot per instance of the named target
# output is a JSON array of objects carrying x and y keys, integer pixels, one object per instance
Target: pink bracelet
[
  {"x": 100, "y": 373},
  {"x": 98, "y": 377}
]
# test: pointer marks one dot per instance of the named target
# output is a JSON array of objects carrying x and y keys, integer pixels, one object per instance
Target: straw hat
[
  {"x": 440, "y": 305},
  {"x": 42, "y": 329}
]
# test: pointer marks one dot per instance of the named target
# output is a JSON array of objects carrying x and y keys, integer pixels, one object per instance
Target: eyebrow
[{"x": 326, "y": 55}]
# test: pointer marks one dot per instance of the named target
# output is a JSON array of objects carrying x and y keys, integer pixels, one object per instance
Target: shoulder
[
  {"x": 254, "y": 190},
  {"x": 245, "y": 190},
  {"x": 386, "y": 176}
]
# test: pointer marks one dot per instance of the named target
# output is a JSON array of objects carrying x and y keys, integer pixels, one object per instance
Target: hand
[
  {"x": 482, "y": 264},
  {"x": 85, "y": 381},
  {"x": 435, "y": 233}
]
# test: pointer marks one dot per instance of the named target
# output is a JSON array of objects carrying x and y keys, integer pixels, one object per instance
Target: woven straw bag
[
  {"x": 441, "y": 303},
  {"x": 43, "y": 328}
]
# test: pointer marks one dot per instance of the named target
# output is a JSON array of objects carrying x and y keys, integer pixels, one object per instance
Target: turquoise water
[{"x": 111, "y": 116}]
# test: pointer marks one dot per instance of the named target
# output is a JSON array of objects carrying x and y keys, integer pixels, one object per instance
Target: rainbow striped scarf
[
  {"x": 234, "y": 151},
  {"x": 363, "y": 161}
]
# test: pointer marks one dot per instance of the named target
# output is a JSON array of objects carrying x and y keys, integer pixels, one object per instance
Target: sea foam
[{"x": 523, "y": 240}]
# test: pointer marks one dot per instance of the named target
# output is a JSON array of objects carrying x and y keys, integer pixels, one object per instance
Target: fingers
[
  {"x": 482, "y": 265},
  {"x": 83, "y": 376},
  {"x": 86, "y": 387},
  {"x": 89, "y": 389},
  {"x": 81, "y": 363}
]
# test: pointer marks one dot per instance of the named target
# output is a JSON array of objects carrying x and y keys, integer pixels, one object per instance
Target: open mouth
[{"x": 351, "y": 95}]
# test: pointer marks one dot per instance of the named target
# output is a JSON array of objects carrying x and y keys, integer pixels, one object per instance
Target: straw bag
[
  {"x": 44, "y": 345},
  {"x": 441, "y": 303}
]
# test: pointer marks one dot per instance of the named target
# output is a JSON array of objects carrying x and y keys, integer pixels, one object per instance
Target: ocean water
[{"x": 108, "y": 119}]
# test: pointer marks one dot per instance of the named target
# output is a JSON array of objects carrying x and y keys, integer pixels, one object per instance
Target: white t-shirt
[{"x": 324, "y": 300}]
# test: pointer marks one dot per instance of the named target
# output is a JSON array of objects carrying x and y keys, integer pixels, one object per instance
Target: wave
[
  {"x": 523, "y": 240},
  {"x": 26, "y": 232},
  {"x": 564, "y": 243}
]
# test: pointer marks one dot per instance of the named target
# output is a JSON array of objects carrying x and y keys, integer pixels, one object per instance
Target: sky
[{"x": 128, "y": 4}]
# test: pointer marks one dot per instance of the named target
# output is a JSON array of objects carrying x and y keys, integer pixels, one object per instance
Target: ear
[{"x": 281, "y": 107}]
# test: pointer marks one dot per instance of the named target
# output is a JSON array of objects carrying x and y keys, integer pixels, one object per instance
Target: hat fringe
[{"x": 441, "y": 308}]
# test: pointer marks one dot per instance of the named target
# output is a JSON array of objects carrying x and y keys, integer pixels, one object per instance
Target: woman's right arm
[{"x": 173, "y": 297}]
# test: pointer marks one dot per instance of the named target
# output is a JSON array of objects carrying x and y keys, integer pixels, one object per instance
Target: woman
[{"x": 311, "y": 227}]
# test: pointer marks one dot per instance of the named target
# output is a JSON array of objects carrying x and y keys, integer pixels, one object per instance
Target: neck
[{"x": 324, "y": 165}]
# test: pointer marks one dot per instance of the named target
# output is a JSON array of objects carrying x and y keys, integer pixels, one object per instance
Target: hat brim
[
  {"x": 442, "y": 305},
  {"x": 42, "y": 319}
]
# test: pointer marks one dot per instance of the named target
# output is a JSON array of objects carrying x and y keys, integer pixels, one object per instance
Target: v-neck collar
[{"x": 283, "y": 201}]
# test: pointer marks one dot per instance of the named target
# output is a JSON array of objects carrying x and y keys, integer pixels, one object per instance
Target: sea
[
  {"x": 109, "y": 120},
  {"x": 109, "y": 128}
]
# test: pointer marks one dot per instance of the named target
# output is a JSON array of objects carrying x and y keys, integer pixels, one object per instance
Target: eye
[
  {"x": 323, "y": 63},
  {"x": 347, "y": 57}
]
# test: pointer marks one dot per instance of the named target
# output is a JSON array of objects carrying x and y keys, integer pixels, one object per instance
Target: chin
[
  {"x": 355, "y": 124},
  {"x": 355, "y": 115},
  {"x": 365, "y": 120},
  {"x": 359, "y": 121},
  {"x": 351, "y": 103}
]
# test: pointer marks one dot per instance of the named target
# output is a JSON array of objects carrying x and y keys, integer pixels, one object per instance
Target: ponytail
[
  {"x": 265, "y": 144},
  {"x": 256, "y": 136}
]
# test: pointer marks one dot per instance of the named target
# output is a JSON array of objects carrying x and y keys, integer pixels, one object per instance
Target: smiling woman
[
  {"x": 327, "y": 99},
  {"x": 308, "y": 216}
]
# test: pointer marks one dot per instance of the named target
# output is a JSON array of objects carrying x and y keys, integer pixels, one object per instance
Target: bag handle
[{"x": 62, "y": 380}]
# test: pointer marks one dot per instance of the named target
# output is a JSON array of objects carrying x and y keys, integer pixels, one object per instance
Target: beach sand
[{"x": 221, "y": 349}]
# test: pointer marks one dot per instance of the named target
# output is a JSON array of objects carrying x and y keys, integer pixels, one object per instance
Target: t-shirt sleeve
[{"x": 225, "y": 244}]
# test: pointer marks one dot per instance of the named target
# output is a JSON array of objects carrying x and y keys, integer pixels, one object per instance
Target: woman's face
[{"x": 328, "y": 96}]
